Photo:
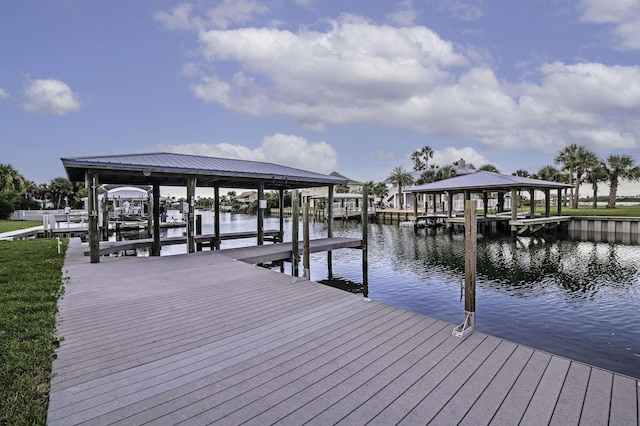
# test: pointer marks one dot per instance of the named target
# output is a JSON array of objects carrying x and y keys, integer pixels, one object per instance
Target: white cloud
[
  {"x": 50, "y": 97},
  {"x": 622, "y": 15},
  {"x": 356, "y": 71},
  {"x": 287, "y": 150},
  {"x": 405, "y": 15},
  {"x": 446, "y": 156},
  {"x": 226, "y": 13},
  {"x": 3, "y": 94}
]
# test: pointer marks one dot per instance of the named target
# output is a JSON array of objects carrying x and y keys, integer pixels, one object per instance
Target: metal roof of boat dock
[
  {"x": 171, "y": 169},
  {"x": 483, "y": 180}
]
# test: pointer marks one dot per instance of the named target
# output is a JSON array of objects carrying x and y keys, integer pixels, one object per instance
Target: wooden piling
[
  {"x": 155, "y": 249},
  {"x": 471, "y": 242},
  {"x": 216, "y": 225},
  {"x": 295, "y": 218},
  {"x": 305, "y": 241},
  {"x": 330, "y": 231},
  {"x": 365, "y": 241},
  {"x": 94, "y": 237}
]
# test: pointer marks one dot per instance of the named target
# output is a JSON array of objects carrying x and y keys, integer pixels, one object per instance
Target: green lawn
[
  {"x": 14, "y": 225},
  {"x": 30, "y": 284},
  {"x": 628, "y": 211}
]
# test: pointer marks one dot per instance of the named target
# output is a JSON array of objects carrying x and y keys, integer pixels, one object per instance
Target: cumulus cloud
[
  {"x": 447, "y": 156},
  {"x": 357, "y": 71},
  {"x": 622, "y": 15},
  {"x": 287, "y": 150},
  {"x": 48, "y": 96},
  {"x": 3, "y": 94}
]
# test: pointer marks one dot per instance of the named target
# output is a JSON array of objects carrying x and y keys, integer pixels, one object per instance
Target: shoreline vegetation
[{"x": 30, "y": 284}]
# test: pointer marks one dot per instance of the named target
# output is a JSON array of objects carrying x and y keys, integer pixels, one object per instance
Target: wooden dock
[
  {"x": 110, "y": 247},
  {"x": 205, "y": 339}
]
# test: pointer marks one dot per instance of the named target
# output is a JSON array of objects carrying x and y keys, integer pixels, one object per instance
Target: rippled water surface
[{"x": 579, "y": 299}]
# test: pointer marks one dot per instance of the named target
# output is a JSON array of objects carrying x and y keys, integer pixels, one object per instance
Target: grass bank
[
  {"x": 14, "y": 225},
  {"x": 30, "y": 284},
  {"x": 626, "y": 211}
]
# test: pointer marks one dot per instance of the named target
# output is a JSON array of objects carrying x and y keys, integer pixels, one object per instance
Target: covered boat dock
[
  {"x": 485, "y": 185},
  {"x": 168, "y": 169}
]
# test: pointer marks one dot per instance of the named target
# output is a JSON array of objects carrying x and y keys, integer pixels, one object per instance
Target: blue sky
[{"x": 352, "y": 86}]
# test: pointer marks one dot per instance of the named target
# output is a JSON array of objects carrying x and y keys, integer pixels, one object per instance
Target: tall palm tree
[
  {"x": 567, "y": 157},
  {"x": 427, "y": 176},
  {"x": 585, "y": 160},
  {"x": 400, "y": 177},
  {"x": 594, "y": 176},
  {"x": 421, "y": 157},
  {"x": 619, "y": 167}
]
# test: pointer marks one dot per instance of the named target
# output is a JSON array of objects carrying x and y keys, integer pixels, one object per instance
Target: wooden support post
[
  {"x": 485, "y": 200},
  {"x": 415, "y": 206},
  {"x": 155, "y": 249},
  {"x": 94, "y": 236},
  {"x": 216, "y": 213},
  {"x": 262, "y": 204},
  {"x": 471, "y": 241},
  {"x": 281, "y": 214},
  {"x": 198, "y": 230},
  {"x": 306, "y": 261},
  {"x": 365, "y": 233},
  {"x": 547, "y": 202},
  {"x": 105, "y": 220},
  {"x": 559, "y": 202},
  {"x": 149, "y": 214},
  {"x": 500, "y": 202},
  {"x": 191, "y": 195},
  {"x": 330, "y": 231},
  {"x": 514, "y": 209},
  {"x": 295, "y": 223},
  {"x": 450, "y": 196},
  {"x": 532, "y": 204}
]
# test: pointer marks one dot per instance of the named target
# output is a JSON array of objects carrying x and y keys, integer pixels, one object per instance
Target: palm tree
[
  {"x": 549, "y": 173},
  {"x": 60, "y": 187},
  {"x": 381, "y": 190},
  {"x": 421, "y": 157},
  {"x": 567, "y": 157},
  {"x": 11, "y": 180},
  {"x": 585, "y": 160},
  {"x": 489, "y": 168},
  {"x": 445, "y": 172},
  {"x": 521, "y": 173},
  {"x": 619, "y": 167},
  {"x": 427, "y": 176},
  {"x": 594, "y": 176},
  {"x": 400, "y": 177}
]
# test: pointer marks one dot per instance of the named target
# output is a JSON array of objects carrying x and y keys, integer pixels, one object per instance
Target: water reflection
[{"x": 577, "y": 298}]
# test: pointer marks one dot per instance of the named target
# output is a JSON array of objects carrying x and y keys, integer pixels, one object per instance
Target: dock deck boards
[{"x": 204, "y": 338}]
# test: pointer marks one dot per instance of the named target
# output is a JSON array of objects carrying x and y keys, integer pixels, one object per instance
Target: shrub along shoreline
[{"x": 30, "y": 285}]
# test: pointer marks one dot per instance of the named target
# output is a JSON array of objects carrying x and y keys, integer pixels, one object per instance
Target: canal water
[{"x": 571, "y": 297}]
